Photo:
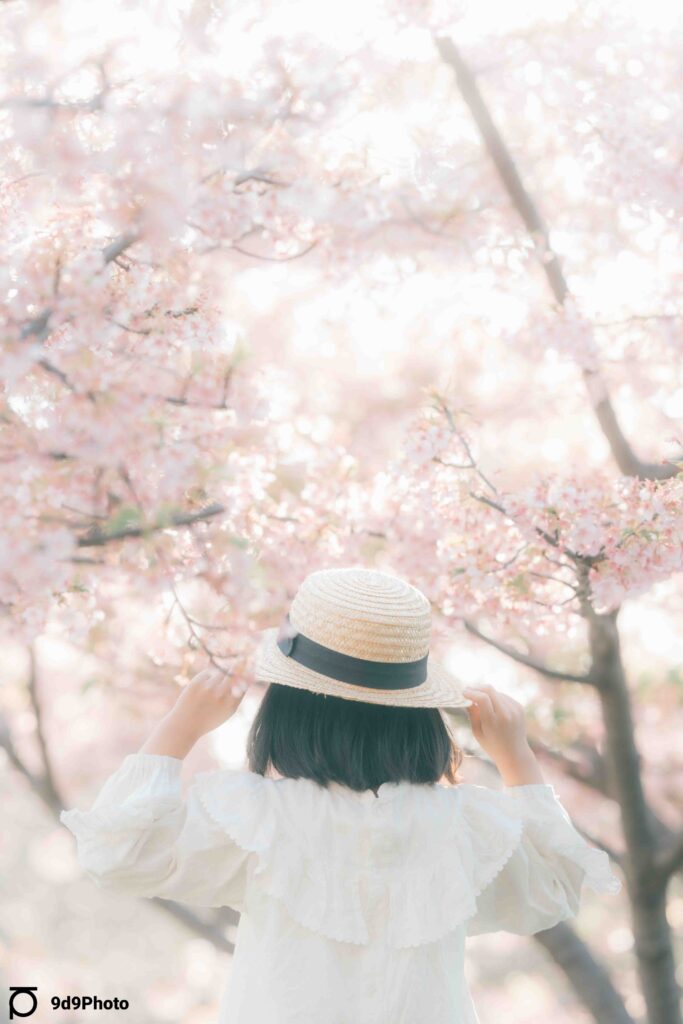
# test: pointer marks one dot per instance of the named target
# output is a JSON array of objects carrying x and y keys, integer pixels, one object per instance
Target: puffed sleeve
[
  {"x": 529, "y": 862},
  {"x": 140, "y": 838}
]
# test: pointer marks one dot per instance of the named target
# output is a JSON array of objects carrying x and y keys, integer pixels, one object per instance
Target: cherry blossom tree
[{"x": 398, "y": 290}]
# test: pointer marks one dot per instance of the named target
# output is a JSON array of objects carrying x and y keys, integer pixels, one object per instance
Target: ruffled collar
[{"x": 318, "y": 854}]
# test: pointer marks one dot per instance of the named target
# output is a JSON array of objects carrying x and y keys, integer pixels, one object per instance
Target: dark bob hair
[{"x": 309, "y": 735}]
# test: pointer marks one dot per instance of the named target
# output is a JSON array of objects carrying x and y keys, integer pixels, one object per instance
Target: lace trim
[
  {"x": 430, "y": 905},
  {"x": 330, "y": 906}
]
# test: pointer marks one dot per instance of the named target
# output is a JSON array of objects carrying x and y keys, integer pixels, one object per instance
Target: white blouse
[{"x": 354, "y": 907}]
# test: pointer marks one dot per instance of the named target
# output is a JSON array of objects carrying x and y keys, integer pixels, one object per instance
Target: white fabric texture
[{"x": 354, "y": 907}]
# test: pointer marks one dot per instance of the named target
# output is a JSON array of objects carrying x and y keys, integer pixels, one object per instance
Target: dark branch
[
  {"x": 202, "y": 928},
  {"x": 588, "y": 978},
  {"x": 98, "y": 535},
  {"x": 600, "y": 843},
  {"x": 580, "y": 762},
  {"x": 274, "y": 259},
  {"x": 47, "y": 780},
  {"x": 523, "y": 659},
  {"x": 626, "y": 459},
  {"x": 39, "y": 327}
]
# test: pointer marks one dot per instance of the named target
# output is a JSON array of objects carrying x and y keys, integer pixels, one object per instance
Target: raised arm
[
  {"x": 529, "y": 861},
  {"x": 140, "y": 838}
]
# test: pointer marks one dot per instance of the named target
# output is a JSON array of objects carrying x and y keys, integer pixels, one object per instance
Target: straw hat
[{"x": 360, "y": 634}]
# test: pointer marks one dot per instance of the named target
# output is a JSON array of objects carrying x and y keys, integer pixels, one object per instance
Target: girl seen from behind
[{"x": 357, "y": 857}]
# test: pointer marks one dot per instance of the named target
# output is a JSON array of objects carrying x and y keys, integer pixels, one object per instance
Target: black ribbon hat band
[{"x": 377, "y": 675}]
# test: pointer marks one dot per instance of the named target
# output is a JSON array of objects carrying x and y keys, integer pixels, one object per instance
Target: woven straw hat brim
[{"x": 440, "y": 688}]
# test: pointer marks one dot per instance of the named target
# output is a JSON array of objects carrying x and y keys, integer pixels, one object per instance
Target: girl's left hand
[{"x": 205, "y": 702}]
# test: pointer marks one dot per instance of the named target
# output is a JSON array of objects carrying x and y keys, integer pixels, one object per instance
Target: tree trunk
[
  {"x": 656, "y": 965},
  {"x": 647, "y": 890}
]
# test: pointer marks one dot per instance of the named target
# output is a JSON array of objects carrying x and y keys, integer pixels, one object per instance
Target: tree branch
[
  {"x": 204, "y": 929},
  {"x": 588, "y": 978},
  {"x": 587, "y": 767},
  {"x": 97, "y": 535},
  {"x": 47, "y": 780},
  {"x": 39, "y": 326},
  {"x": 547, "y": 537},
  {"x": 601, "y": 844},
  {"x": 627, "y": 461},
  {"x": 523, "y": 659}
]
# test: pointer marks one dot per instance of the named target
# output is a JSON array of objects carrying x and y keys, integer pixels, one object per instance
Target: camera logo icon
[{"x": 23, "y": 1001}]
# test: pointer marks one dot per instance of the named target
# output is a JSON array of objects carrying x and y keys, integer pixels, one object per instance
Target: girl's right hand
[
  {"x": 498, "y": 723},
  {"x": 205, "y": 702}
]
